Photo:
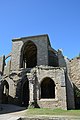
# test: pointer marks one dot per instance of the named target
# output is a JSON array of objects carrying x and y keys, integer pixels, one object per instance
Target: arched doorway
[
  {"x": 47, "y": 88},
  {"x": 25, "y": 93},
  {"x": 29, "y": 55},
  {"x": 5, "y": 92}
]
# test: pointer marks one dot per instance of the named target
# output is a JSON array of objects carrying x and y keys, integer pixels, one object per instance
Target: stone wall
[
  {"x": 58, "y": 76},
  {"x": 7, "y": 68},
  {"x": 2, "y": 63},
  {"x": 61, "y": 59},
  {"x": 75, "y": 78},
  {"x": 41, "y": 43},
  {"x": 75, "y": 71},
  {"x": 69, "y": 86},
  {"x": 64, "y": 74},
  {"x": 35, "y": 76}
]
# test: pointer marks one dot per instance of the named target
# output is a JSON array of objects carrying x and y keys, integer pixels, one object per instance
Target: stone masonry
[{"x": 39, "y": 76}]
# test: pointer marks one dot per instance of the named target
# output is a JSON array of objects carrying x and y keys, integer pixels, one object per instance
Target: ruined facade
[{"x": 36, "y": 75}]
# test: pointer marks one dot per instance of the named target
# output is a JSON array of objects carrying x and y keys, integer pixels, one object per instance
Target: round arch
[
  {"x": 47, "y": 88},
  {"x": 28, "y": 55}
]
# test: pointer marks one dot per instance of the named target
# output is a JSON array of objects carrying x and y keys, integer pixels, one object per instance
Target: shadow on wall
[
  {"x": 28, "y": 55},
  {"x": 70, "y": 93},
  {"x": 77, "y": 97},
  {"x": 5, "y": 98},
  {"x": 22, "y": 92},
  {"x": 6, "y": 107}
]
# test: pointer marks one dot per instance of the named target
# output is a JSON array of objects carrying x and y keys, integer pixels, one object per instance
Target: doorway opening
[
  {"x": 25, "y": 94},
  {"x": 5, "y": 92}
]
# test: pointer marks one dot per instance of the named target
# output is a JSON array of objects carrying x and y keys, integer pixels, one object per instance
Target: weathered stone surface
[
  {"x": 75, "y": 71},
  {"x": 2, "y": 64},
  {"x": 7, "y": 68},
  {"x": 61, "y": 59},
  {"x": 42, "y": 54},
  {"x": 25, "y": 83}
]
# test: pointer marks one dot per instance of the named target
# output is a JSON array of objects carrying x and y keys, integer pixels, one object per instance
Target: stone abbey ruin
[{"x": 37, "y": 75}]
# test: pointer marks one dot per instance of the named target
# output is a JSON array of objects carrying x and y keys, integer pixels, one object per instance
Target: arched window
[
  {"x": 5, "y": 92},
  {"x": 29, "y": 55},
  {"x": 47, "y": 88}
]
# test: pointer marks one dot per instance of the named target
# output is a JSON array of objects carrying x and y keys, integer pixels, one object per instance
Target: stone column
[
  {"x": 0, "y": 89},
  {"x": 31, "y": 89}
]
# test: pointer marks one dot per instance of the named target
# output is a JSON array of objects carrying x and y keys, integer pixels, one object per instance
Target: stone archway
[
  {"x": 47, "y": 88},
  {"x": 29, "y": 55},
  {"x": 5, "y": 92},
  {"x": 25, "y": 93}
]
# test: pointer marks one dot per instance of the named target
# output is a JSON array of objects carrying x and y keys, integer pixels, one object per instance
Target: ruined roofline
[
  {"x": 78, "y": 57},
  {"x": 53, "y": 50},
  {"x": 43, "y": 35}
]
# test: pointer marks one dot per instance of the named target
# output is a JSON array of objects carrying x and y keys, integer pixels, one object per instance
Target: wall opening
[
  {"x": 53, "y": 59},
  {"x": 29, "y": 55},
  {"x": 47, "y": 88},
  {"x": 5, "y": 92},
  {"x": 25, "y": 94}
]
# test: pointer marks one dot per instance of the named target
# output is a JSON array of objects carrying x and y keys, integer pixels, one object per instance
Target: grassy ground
[{"x": 43, "y": 111}]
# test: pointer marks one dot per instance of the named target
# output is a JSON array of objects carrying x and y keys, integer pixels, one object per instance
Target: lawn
[{"x": 46, "y": 111}]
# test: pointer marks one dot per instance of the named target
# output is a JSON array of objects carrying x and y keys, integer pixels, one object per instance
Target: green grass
[{"x": 46, "y": 111}]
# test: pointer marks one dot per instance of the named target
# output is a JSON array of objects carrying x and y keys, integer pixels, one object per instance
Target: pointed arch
[
  {"x": 5, "y": 92},
  {"x": 28, "y": 55},
  {"x": 47, "y": 88},
  {"x": 25, "y": 93}
]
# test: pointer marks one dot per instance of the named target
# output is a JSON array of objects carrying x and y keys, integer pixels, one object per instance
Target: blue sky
[{"x": 60, "y": 19}]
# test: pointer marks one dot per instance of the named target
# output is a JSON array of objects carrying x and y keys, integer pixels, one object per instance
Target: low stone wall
[{"x": 49, "y": 103}]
